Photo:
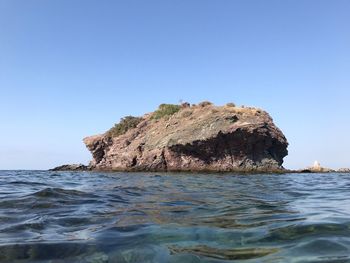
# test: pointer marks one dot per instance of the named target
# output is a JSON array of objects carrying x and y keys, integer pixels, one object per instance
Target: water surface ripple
[{"x": 136, "y": 217}]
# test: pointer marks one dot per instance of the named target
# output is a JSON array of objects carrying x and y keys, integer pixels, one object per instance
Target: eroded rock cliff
[{"x": 193, "y": 138}]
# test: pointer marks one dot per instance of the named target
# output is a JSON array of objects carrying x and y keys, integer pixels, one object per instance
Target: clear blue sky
[{"x": 72, "y": 68}]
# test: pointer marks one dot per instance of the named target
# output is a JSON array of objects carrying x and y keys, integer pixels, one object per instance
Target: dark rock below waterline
[
  {"x": 71, "y": 167},
  {"x": 202, "y": 138}
]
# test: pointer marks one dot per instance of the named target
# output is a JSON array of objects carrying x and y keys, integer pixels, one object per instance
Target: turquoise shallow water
[{"x": 135, "y": 217}]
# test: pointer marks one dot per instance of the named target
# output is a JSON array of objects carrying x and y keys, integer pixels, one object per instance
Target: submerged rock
[
  {"x": 316, "y": 168},
  {"x": 201, "y": 137},
  {"x": 224, "y": 254},
  {"x": 71, "y": 167}
]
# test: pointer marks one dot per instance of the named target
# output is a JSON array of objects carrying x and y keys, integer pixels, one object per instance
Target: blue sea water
[{"x": 149, "y": 217}]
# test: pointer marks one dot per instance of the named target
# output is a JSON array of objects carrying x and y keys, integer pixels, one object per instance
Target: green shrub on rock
[
  {"x": 125, "y": 124},
  {"x": 165, "y": 110},
  {"x": 230, "y": 104},
  {"x": 205, "y": 103}
]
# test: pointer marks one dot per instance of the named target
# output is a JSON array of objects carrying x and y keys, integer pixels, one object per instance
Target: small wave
[
  {"x": 59, "y": 192},
  {"x": 115, "y": 198},
  {"x": 26, "y": 183},
  {"x": 44, "y": 205},
  {"x": 297, "y": 232},
  {"x": 73, "y": 221},
  {"x": 31, "y": 226},
  {"x": 132, "y": 191},
  {"x": 41, "y": 251},
  {"x": 129, "y": 228}
]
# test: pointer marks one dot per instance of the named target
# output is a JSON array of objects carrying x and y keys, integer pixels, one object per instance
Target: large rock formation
[{"x": 201, "y": 137}]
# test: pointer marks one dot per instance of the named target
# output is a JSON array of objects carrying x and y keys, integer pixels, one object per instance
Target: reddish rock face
[{"x": 197, "y": 138}]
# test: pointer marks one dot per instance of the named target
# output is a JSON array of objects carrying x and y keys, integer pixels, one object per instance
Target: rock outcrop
[
  {"x": 201, "y": 137},
  {"x": 343, "y": 170},
  {"x": 316, "y": 168},
  {"x": 71, "y": 167}
]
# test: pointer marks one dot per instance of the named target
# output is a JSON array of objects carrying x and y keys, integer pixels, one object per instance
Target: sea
[{"x": 99, "y": 217}]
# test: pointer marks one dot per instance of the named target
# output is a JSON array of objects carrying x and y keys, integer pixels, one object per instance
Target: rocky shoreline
[
  {"x": 81, "y": 167},
  {"x": 71, "y": 167}
]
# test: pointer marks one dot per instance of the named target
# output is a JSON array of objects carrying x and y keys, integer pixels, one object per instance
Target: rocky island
[{"x": 186, "y": 137}]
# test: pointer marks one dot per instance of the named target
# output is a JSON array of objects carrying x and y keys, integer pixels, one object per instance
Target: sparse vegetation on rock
[
  {"x": 125, "y": 124},
  {"x": 205, "y": 103},
  {"x": 165, "y": 110},
  {"x": 230, "y": 104}
]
